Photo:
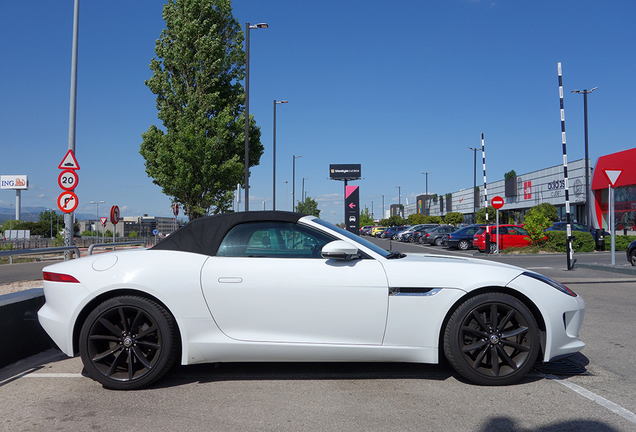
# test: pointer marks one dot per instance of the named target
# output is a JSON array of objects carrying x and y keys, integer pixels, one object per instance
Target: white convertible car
[{"x": 284, "y": 287}]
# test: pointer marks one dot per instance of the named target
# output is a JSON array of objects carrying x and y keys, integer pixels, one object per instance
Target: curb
[{"x": 21, "y": 335}]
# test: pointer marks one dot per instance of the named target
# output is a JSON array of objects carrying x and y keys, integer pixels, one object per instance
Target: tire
[
  {"x": 422, "y": 240},
  {"x": 632, "y": 258},
  {"x": 438, "y": 241},
  {"x": 127, "y": 343},
  {"x": 493, "y": 248},
  {"x": 470, "y": 341},
  {"x": 394, "y": 237},
  {"x": 463, "y": 245}
]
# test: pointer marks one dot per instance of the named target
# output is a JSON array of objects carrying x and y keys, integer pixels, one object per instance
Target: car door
[{"x": 269, "y": 283}]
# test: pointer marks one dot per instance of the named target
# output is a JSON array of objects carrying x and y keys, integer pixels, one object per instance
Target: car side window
[{"x": 273, "y": 240}]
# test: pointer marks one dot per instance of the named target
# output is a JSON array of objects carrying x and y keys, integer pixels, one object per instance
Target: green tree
[
  {"x": 453, "y": 218},
  {"x": 365, "y": 218},
  {"x": 395, "y": 220},
  {"x": 537, "y": 219},
  {"x": 198, "y": 157},
  {"x": 481, "y": 215},
  {"x": 417, "y": 218},
  {"x": 309, "y": 206},
  {"x": 133, "y": 234}
]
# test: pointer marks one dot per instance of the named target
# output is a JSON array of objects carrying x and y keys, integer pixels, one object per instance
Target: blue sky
[{"x": 399, "y": 87}]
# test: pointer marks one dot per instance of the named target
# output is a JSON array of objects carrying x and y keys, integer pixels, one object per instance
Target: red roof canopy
[{"x": 624, "y": 161}]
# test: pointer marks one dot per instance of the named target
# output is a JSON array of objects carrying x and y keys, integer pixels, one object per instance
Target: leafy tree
[
  {"x": 548, "y": 210},
  {"x": 365, "y": 218},
  {"x": 481, "y": 215},
  {"x": 133, "y": 234},
  {"x": 453, "y": 218},
  {"x": 537, "y": 219},
  {"x": 198, "y": 156},
  {"x": 417, "y": 218},
  {"x": 309, "y": 206},
  {"x": 395, "y": 220}
]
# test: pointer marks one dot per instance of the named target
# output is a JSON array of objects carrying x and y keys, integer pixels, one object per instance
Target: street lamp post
[
  {"x": 294, "y": 181},
  {"x": 474, "y": 183},
  {"x": 399, "y": 188},
  {"x": 588, "y": 210},
  {"x": 274, "y": 155},
  {"x": 248, "y": 27},
  {"x": 286, "y": 182},
  {"x": 51, "y": 218},
  {"x": 97, "y": 203}
]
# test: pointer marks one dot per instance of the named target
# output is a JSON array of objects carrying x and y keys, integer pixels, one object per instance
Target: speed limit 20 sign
[{"x": 68, "y": 180}]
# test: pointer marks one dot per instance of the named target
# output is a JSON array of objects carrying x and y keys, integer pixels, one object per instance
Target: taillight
[
  {"x": 427, "y": 235},
  {"x": 59, "y": 277}
]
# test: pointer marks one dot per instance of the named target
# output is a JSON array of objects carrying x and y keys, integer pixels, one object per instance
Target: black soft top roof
[{"x": 204, "y": 235}]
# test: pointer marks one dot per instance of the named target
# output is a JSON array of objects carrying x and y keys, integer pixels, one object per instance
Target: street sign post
[
  {"x": 114, "y": 219},
  {"x": 497, "y": 202},
  {"x": 612, "y": 177}
]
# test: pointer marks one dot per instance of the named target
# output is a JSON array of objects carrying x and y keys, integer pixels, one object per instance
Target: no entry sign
[{"x": 497, "y": 202}]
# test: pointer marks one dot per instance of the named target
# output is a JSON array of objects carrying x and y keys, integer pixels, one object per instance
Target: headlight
[{"x": 552, "y": 283}]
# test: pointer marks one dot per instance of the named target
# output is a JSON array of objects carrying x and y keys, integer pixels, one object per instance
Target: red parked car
[{"x": 509, "y": 236}]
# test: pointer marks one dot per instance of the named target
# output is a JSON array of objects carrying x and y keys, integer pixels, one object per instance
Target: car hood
[{"x": 437, "y": 271}]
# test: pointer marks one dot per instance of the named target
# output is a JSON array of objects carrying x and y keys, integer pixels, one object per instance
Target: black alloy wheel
[
  {"x": 463, "y": 245},
  {"x": 128, "y": 342},
  {"x": 492, "y": 339}
]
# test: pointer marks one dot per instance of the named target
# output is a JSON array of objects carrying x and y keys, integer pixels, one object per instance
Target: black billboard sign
[{"x": 345, "y": 171}]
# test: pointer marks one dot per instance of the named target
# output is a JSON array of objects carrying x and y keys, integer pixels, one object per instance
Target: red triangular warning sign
[{"x": 69, "y": 162}]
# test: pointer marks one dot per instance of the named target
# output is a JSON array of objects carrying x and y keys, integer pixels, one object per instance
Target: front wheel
[
  {"x": 632, "y": 258},
  {"x": 128, "y": 342},
  {"x": 492, "y": 339}
]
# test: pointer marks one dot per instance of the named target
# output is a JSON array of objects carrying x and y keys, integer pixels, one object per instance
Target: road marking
[
  {"x": 538, "y": 268},
  {"x": 616, "y": 409},
  {"x": 53, "y": 375}
]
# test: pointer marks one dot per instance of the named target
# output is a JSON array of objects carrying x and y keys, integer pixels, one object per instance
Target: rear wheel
[
  {"x": 128, "y": 342},
  {"x": 492, "y": 339},
  {"x": 463, "y": 245},
  {"x": 438, "y": 241}
]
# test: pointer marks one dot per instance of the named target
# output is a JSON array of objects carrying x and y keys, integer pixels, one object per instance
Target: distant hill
[{"x": 32, "y": 214}]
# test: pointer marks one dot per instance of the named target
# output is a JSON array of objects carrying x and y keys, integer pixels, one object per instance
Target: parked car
[
  {"x": 575, "y": 226},
  {"x": 405, "y": 234},
  {"x": 279, "y": 286},
  {"x": 391, "y": 232},
  {"x": 462, "y": 239},
  {"x": 435, "y": 236},
  {"x": 376, "y": 231},
  {"x": 509, "y": 236},
  {"x": 631, "y": 253},
  {"x": 416, "y": 234},
  {"x": 366, "y": 230}
]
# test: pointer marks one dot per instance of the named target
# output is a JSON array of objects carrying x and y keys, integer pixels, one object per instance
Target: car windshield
[{"x": 356, "y": 239}]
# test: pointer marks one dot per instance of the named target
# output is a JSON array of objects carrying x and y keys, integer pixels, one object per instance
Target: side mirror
[{"x": 341, "y": 250}]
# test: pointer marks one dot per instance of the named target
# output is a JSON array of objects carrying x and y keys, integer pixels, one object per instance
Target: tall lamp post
[
  {"x": 248, "y": 27},
  {"x": 426, "y": 205},
  {"x": 274, "y": 155},
  {"x": 399, "y": 188},
  {"x": 286, "y": 183},
  {"x": 51, "y": 218},
  {"x": 588, "y": 210},
  {"x": 294, "y": 182},
  {"x": 474, "y": 183},
  {"x": 97, "y": 203}
]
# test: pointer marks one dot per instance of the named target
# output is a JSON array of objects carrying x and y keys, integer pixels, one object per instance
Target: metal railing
[
  {"x": 41, "y": 252},
  {"x": 113, "y": 245}
]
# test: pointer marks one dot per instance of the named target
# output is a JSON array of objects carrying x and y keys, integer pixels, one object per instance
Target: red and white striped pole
[
  {"x": 483, "y": 159},
  {"x": 569, "y": 250}
]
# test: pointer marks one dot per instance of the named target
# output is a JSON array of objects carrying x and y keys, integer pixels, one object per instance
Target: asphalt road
[{"x": 48, "y": 392}]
